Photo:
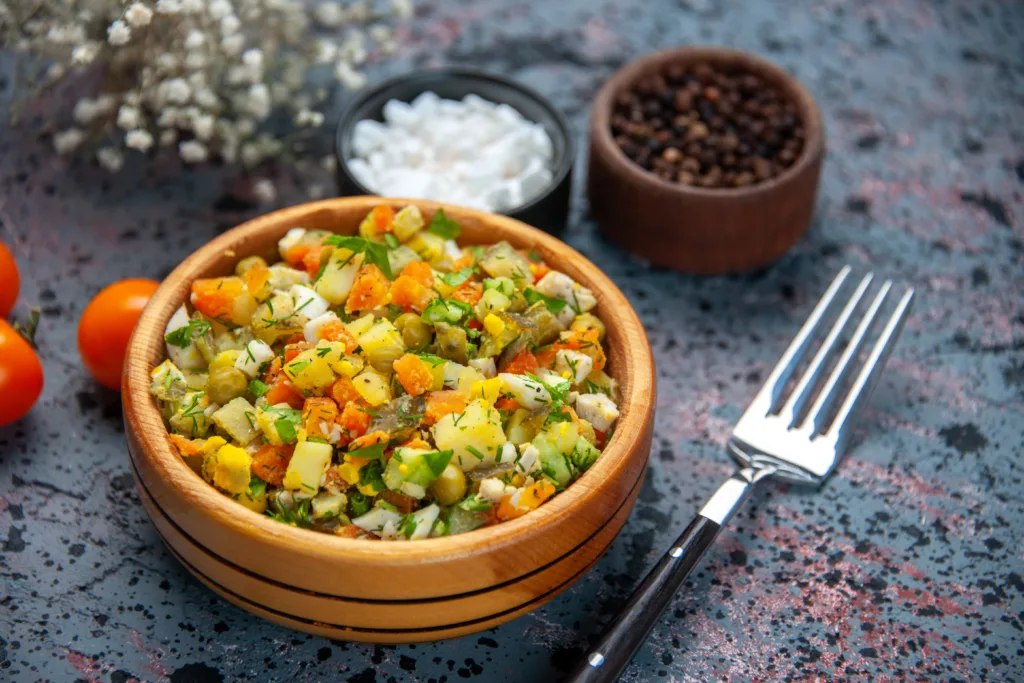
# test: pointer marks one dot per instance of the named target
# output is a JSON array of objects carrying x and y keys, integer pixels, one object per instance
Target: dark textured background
[{"x": 908, "y": 566}]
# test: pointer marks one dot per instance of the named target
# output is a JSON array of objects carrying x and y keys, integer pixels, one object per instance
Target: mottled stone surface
[{"x": 909, "y": 565}]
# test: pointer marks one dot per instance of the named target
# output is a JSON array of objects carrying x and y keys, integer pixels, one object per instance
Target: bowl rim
[
  {"x": 140, "y": 408},
  {"x": 564, "y": 128},
  {"x": 810, "y": 114}
]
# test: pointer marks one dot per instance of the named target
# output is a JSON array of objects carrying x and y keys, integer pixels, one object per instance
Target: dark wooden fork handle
[{"x": 631, "y": 626}]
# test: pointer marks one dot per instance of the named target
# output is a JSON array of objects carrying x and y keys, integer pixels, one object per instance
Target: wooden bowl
[
  {"x": 697, "y": 230},
  {"x": 387, "y": 592}
]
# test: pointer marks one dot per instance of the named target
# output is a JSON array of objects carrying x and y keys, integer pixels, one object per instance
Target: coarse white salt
[{"x": 471, "y": 152}]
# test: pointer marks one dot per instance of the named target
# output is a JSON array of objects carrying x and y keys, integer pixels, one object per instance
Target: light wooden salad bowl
[{"x": 387, "y": 592}]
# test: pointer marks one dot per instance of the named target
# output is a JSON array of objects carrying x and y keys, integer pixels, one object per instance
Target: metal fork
[{"x": 773, "y": 438}]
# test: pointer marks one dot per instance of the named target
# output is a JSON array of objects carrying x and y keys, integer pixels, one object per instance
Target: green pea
[
  {"x": 415, "y": 332},
  {"x": 450, "y": 487},
  {"x": 225, "y": 384}
]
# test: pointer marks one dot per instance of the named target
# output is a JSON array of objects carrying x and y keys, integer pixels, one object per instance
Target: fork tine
[
  {"x": 803, "y": 392},
  {"x": 831, "y": 389},
  {"x": 766, "y": 398},
  {"x": 848, "y": 413}
]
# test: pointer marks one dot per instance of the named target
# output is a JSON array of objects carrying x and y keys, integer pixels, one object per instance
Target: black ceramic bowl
[{"x": 548, "y": 210}]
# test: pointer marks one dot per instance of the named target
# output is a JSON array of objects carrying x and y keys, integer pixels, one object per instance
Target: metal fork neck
[{"x": 731, "y": 494}]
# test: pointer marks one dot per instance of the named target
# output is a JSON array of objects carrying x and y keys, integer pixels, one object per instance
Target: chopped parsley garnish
[
  {"x": 373, "y": 252},
  {"x": 475, "y": 503},
  {"x": 183, "y": 336},
  {"x": 299, "y": 516},
  {"x": 391, "y": 241},
  {"x": 288, "y": 419},
  {"x": 476, "y": 454},
  {"x": 257, "y": 487},
  {"x": 554, "y": 305},
  {"x": 407, "y": 525},
  {"x": 591, "y": 388},
  {"x": 298, "y": 366},
  {"x": 358, "y": 503},
  {"x": 437, "y": 461},
  {"x": 458, "y": 277},
  {"x": 445, "y": 227},
  {"x": 372, "y": 474},
  {"x": 374, "y": 452},
  {"x": 323, "y": 351},
  {"x": 446, "y": 311},
  {"x": 430, "y": 359}
]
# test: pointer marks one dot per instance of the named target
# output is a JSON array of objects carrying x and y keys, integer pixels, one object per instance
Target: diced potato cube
[
  {"x": 283, "y": 276},
  {"x": 488, "y": 389},
  {"x": 475, "y": 436},
  {"x": 307, "y": 466},
  {"x": 329, "y": 505},
  {"x": 429, "y": 246},
  {"x": 372, "y": 387},
  {"x": 406, "y": 222},
  {"x": 256, "y": 503},
  {"x": 238, "y": 420},
  {"x": 491, "y": 302},
  {"x": 382, "y": 345},
  {"x": 309, "y": 371},
  {"x": 502, "y": 260},
  {"x": 467, "y": 378},
  {"x": 275, "y": 319},
  {"x": 359, "y": 326},
  {"x": 168, "y": 382},
  {"x": 338, "y": 277}
]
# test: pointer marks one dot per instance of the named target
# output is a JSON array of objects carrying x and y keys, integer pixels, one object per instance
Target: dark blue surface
[{"x": 907, "y": 566}]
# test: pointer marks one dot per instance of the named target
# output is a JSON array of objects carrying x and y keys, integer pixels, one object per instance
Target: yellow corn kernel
[
  {"x": 404, "y": 469},
  {"x": 494, "y": 325},
  {"x": 368, "y": 490}
]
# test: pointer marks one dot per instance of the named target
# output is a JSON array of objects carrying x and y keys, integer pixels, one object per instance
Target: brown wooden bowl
[
  {"x": 387, "y": 591},
  {"x": 697, "y": 230}
]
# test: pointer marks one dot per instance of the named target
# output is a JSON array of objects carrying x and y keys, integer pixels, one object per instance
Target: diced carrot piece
[
  {"x": 509, "y": 405},
  {"x": 404, "y": 503},
  {"x": 383, "y": 217},
  {"x": 318, "y": 415},
  {"x": 417, "y": 443},
  {"x": 343, "y": 391},
  {"x": 354, "y": 420},
  {"x": 441, "y": 403},
  {"x": 369, "y": 291},
  {"x": 414, "y": 374},
  {"x": 370, "y": 439},
  {"x": 546, "y": 358},
  {"x": 270, "y": 462},
  {"x": 410, "y": 293},
  {"x": 185, "y": 446},
  {"x": 529, "y": 499},
  {"x": 311, "y": 261},
  {"x": 421, "y": 272},
  {"x": 352, "y": 531},
  {"x": 522, "y": 363},
  {"x": 256, "y": 278},
  {"x": 273, "y": 371},
  {"x": 297, "y": 252},
  {"x": 215, "y": 297},
  {"x": 464, "y": 261},
  {"x": 294, "y": 349},
  {"x": 469, "y": 292},
  {"x": 297, "y": 338},
  {"x": 283, "y": 391},
  {"x": 537, "y": 265},
  {"x": 335, "y": 331}
]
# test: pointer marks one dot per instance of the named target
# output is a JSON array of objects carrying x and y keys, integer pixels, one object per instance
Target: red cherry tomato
[
  {"x": 107, "y": 323},
  {"x": 9, "y": 281},
  {"x": 21, "y": 375}
]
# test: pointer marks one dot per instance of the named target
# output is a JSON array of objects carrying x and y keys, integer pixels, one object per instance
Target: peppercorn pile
[{"x": 707, "y": 128}]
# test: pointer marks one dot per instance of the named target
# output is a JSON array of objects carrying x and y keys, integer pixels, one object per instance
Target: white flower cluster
[{"x": 199, "y": 75}]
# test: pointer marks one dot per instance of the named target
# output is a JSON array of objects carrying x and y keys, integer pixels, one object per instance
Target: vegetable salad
[{"x": 390, "y": 385}]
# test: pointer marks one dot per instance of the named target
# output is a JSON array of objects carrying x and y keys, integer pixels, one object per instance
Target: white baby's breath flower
[
  {"x": 245, "y": 127},
  {"x": 67, "y": 141},
  {"x": 85, "y": 54},
  {"x": 195, "y": 60},
  {"x": 128, "y": 117},
  {"x": 191, "y": 6},
  {"x": 264, "y": 191},
  {"x": 85, "y": 111},
  {"x": 55, "y": 72},
  {"x": 307, "y": 117},
  {"x": 218, "y": 9},
  {"x": 110, "y": 158},
  {"x": 175, "y": 90},
  {"x": 379, "y": 33},
  {"x": 329, "y": 14},
  {"x": 349, "y": 77},
  {"x": 202, "y": 126},
  {"x": 104, "y": 104},
  {"x": 250, "y": 155},
  {"x": 205, "y": 98},
  {"x": 166, "y": 61},
  {"x": 325, "y": 51},
  {"x": 358, "y": 11},
  {"x": 168, "y": 6},
  {"x": 170, "y": 117},
  {"x": 403, "y": 9},
  {"x": 193, "y": 152},
  {"x": 168, "y": 137},
  {"x": 141, "y": 140},
  {"x": 229, "y": 25},
  {"x": 138, "y": 15},
  {"x": 118, "y": 33},
  {"x": 253, "y": 57},
  {"x": 258, "y": 101},
  {"x": 233, "y": 44},
  {"x": 194, "y": 40}
]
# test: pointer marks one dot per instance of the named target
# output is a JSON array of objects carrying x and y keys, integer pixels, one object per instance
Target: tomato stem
[{"x": 28, "y": 330}]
